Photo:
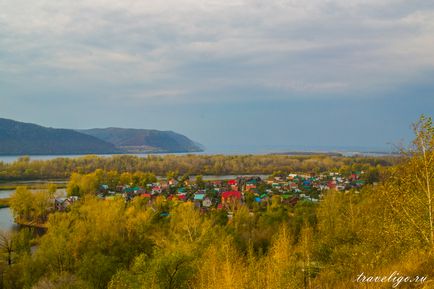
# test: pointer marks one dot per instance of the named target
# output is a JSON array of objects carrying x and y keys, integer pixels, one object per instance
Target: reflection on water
[{"x": 6, "y": 220}]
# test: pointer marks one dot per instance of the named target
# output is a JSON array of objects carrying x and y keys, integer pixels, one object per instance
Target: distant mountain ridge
[
  {"x": 144, "y": 140},
  {"x": 19, "y": 138}
]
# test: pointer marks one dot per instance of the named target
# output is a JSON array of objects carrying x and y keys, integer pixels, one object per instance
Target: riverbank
[
  {"x": 7, "y": 222},
  {"x": 33, "y": 184},
  {"x": 4, "y": 203},
  {"x": 32, "y": 224}
]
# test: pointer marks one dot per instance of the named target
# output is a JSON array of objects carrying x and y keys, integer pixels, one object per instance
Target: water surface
[{"x": 6, "y": 220}]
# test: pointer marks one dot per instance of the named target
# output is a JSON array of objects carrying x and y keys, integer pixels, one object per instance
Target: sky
[{"x": 232, "y": 74}]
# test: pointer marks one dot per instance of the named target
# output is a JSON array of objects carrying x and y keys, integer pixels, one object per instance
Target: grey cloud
[{"x": 143, "y": 48}]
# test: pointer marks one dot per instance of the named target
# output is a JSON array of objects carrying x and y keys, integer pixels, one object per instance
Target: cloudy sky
[{"x": 233, "y": 74}]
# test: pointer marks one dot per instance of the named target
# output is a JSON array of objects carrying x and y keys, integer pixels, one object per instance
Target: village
[{"x": 229, "y": 194}]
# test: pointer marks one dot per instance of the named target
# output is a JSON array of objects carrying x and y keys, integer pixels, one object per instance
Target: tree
[
  {"x": 199, "y": 182},
  {"x": 172, "y": 175},
  {"x": 221, "y": 266},
  {"x": 187, "y": 224},
  {"x": 21, "y": 203},
  {"x": 126, "y": 179},
  {"x": 97, "y": 268},
  {"x": 7, "y": 247},
  {"x": 63, "y": 280},
  {"x": 282, "y": 271},
  {"x": 42, "y": 204},
  {"x": 410, "y": 188},
  {"x": 80, "y": 185},
  {"x": 51, "y": 188},
  {"x": 30, "y": 206},
  {"x": 424, "y": 162}
]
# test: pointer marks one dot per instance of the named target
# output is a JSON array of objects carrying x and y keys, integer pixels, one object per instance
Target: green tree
[{"x": 199, "y": 182}]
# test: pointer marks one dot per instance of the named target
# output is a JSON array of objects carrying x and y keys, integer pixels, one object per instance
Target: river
[
  {"x": 5, "y": 193},
  {"x": 242, "y": 150},
  {"x": 11, "y": 159},
  {"x": 6, "y": 220}
]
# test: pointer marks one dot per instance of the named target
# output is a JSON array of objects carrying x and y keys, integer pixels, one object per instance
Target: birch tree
[{"x": 409, "y": 190}]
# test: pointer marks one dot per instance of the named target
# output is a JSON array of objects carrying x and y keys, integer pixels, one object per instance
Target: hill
[
  {"x": 19, "y": 138},
  {"x": 144, "y": 140}
]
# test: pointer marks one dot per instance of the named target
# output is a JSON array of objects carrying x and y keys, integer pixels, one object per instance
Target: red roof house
[
  {"x": 231, "y": 194},
  {"x": 231, "y": 199}
]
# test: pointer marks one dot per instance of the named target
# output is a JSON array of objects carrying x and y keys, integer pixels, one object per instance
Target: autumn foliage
[{"x": 113, "y": 244}]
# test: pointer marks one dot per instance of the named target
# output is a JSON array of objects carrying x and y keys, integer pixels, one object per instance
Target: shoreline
[{"x": 4, "y": 203}]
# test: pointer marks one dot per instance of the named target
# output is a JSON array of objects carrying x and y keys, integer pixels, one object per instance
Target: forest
[
  {"x": 62, "y": 168},
  {"x": 382, "y": 229}
]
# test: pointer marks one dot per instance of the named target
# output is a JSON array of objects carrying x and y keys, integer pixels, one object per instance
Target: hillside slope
[
  {"x": 18, "y": 138},
  {"x": 145, "y": 140}
]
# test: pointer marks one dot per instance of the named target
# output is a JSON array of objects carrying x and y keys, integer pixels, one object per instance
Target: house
[
  {"x": 61, "y": 204},
  {"x": 360, "y": 183},
  {"x": 231, "y": 195},
  {"x": 322, "y": 187},
  {"x": 104, "y": 187},
  {"x": 172, "y": 182},
  {"x": 231, "y": 199},
  {"x": 293, "y": 185},
  {"x": 181, "y": 197},
  {"x": 252, "y": 183},
  {"x": 232, "y": 182},
  {"x": 199, "y": 197},
  {"x": 331, "y": 185},
  {"x": 275, "y": 185},
  {"x": 216, "y": 183},
  {"x": 164, "y": 185},
  {"x": 128, "y": 190},
  {"x": 156, "y": 190},
  {"x": 250, "y": 186},
  {"x": 207, "y": 203}
]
